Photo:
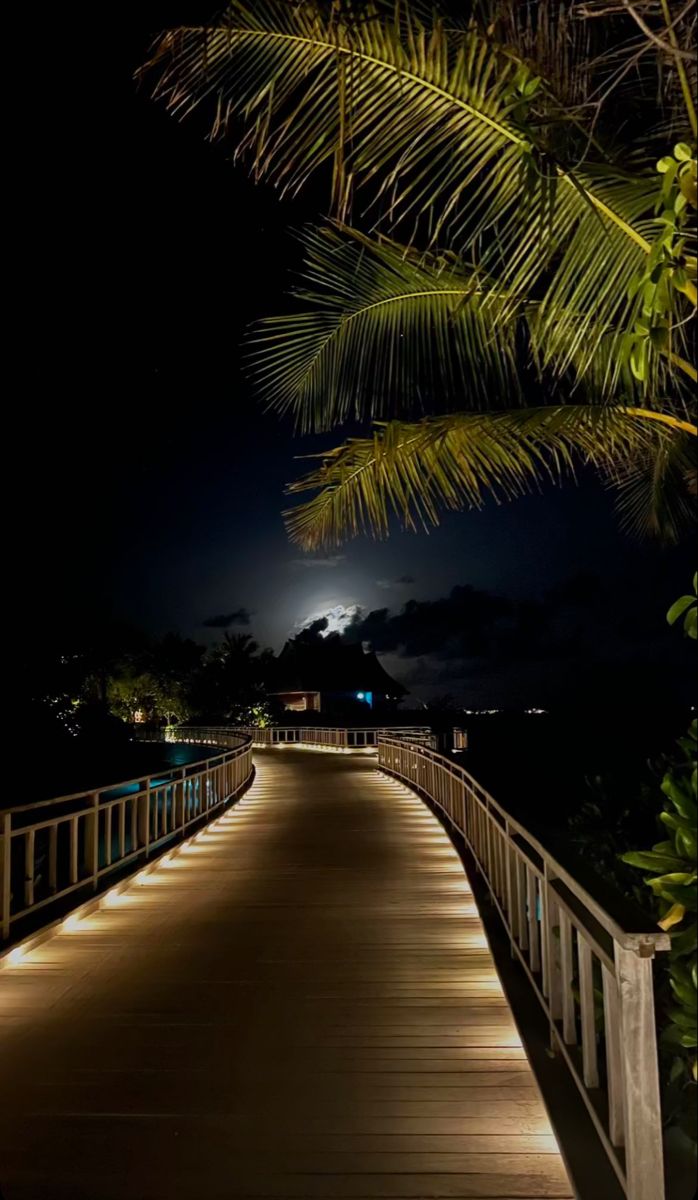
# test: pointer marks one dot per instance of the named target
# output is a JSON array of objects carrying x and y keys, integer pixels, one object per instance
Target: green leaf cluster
[
  {"x": 671, "y": 263},
  {"x": 671, "y": 875},
  {"x": 686, "y": 607}
]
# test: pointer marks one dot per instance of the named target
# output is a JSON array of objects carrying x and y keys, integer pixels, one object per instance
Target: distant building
[{"x": 326, "y": 675}]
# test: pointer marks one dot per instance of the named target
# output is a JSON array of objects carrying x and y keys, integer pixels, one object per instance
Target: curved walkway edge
[{"x": 301, "y": 1004}]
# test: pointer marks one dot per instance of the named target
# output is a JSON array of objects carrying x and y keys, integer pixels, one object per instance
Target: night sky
[{"x": 153, "y": 482}]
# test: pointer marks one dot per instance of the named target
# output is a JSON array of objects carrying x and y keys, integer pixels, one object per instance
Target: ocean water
[{"x": 96, "y": 767}]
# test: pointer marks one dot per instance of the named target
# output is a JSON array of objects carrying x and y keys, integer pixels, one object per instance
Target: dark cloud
[
  {"x": 241, "y": 616},
  {"x": 503, "y": 650},
  {"x": 465, "y": 623},
  {"x": 401, "y": 581},
  {"x": 313, "y": 631},
  {"x": 332, "y": 560}
]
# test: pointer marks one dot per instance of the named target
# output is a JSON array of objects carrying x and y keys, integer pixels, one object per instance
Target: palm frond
[
  {"x": 387, "y": 97},
  {"x": 381, "y": 333},
  {"x": 656, "y": 489},
  {"x": 385, "y": 333},
  {"x": 413, "y": 471},
  {"x": 427, "y": 119}
]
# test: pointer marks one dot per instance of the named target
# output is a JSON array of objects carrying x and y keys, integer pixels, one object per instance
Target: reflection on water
[
  {"x": 179, "y": 754},
  {"x": 93, "y": 767}
]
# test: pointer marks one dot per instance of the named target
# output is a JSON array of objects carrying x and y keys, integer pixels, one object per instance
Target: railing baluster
[
  {"x": 6, "y": 874},
  {"x": 74, "y": 837},
  {"x": 133, "y": 806},
  {"x": 181, "y": 801},
  {"x": 501, "y": 864},
  {"x": 144, "y": 817},
  {"x": 551, "y": 946},
  {"x": 587, "y": 1011},
  {"x": 92, "y": 841},
  {"x": 122, "y": 829},
  {"x": 533, "y": 927},
  {"x": 497, "y": 864},
  {"x": 53, "y": 858},
  {"x": 521, "y": 900},
  {"x": 511, "y": 908},
  {"x": 569, "y": 1023},
  {"x": 614, "y": 1067},
  {"x": 29, "y": 839},
  {"x": 107, "y": 835}
]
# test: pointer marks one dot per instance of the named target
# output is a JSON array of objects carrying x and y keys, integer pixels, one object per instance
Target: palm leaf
[
  {"x": 385, "y": 96},
  {"x": 386, "y": 333},
  {"x": 426, "y": 117},
  {"x": 657, "y": 489},
  {"x": 413, "y": 471},
  {"x": 381, "y": 332}
]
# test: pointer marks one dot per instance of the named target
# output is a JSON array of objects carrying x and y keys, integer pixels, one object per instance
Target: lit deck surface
[{"x": 301, "y": 1005}]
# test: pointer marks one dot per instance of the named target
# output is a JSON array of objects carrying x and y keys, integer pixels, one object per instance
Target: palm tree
[
  {"x": 236, "y": 651},
  {"x": 232, "y": 676},
  {"x": 520, "y": 298}
]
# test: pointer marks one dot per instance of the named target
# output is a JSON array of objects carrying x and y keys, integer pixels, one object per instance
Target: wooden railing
[
  {"x": 340, "y": 738},
  {"x": 53, "y": 848},
  {"x": 593, "y": 977}
]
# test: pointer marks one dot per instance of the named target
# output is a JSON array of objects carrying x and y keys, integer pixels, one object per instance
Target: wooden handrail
[
  {"x": 327, "y": 737},
  {"x": 556, "y": 931}
]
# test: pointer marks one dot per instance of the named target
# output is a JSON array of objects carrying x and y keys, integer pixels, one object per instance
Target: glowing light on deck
[{"x": 114, "y": 899}]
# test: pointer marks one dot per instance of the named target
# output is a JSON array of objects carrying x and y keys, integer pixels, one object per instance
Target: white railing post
[
  {"x": 74, "y": 839},
  {"x": 53, "y": 858},
  {"x": 533, "y": 925},
  {"x": 5, "y": 873},
  {"x": 180, "y": 800},
  {"x": 614, "y": 1059},
  {"x": 551, "y": 946},
  {"x": 144, "y": 817},
  {"x": 569, "y": 1022},
  {"x": 639, "y": 1074},
  {"x": 587, "y": 1013},
  {"x": 29, "y": 867},
  {"x": 512, "y": 912},
  {"x": 92, "y": 841}
]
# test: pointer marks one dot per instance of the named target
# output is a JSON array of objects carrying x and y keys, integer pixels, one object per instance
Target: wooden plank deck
[{"x": 302, "y": 1004}]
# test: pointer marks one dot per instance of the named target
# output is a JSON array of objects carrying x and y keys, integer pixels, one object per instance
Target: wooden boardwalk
[{"x": 301, "y": 1004}]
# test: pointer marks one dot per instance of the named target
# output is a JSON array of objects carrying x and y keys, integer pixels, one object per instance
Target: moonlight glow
[{"x": 337, "y": 617}]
